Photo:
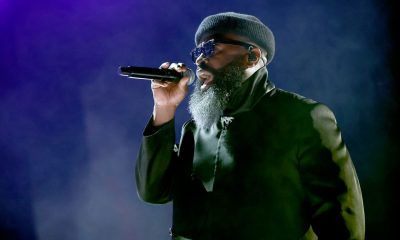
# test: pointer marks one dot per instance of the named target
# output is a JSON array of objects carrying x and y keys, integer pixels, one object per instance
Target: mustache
[{"x": 207, "y": 68}]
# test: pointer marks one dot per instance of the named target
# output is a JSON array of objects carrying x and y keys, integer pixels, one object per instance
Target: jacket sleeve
[
  {"x": 154, "y": 163},
  {"x": 330, "y": 179}
]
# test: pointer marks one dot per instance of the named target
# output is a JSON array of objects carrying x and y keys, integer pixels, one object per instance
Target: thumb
[
  {"x": 183, "y": 83},
  {"x": 188, "y": 76}
]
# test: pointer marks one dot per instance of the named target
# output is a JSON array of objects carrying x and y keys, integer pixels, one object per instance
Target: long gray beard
[{"x": 207, "y": 106}]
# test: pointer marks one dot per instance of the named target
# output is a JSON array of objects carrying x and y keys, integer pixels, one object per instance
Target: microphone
[{"x": 168, "y": 75}]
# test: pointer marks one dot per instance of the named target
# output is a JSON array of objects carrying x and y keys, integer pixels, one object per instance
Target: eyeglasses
[{"x": 208, "y": 48}]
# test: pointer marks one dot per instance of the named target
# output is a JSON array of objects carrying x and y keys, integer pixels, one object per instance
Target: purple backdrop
[{"x": 71, "y": 127}]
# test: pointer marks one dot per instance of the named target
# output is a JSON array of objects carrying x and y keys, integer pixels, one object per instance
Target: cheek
[{"x": 222, "y": 60}]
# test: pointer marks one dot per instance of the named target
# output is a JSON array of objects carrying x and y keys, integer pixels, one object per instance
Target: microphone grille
[{"x": 189, "y": 73}]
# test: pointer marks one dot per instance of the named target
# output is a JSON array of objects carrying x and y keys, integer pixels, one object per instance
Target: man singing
[{"x": 255, "y": 161}]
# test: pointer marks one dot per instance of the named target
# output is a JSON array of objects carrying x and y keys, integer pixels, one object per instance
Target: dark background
[{"x": 70, "y": 127}]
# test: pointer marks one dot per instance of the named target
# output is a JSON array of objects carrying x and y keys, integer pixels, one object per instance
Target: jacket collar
[{"x": 250, "y": 93}]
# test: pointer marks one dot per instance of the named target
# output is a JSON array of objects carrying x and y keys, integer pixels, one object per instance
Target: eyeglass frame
[{"x": 197, "y": 51}]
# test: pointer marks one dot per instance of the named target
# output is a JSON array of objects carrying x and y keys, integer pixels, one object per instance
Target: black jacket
[{"x": 274, "y": 167}]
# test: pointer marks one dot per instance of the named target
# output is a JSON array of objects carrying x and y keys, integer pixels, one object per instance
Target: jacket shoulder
[
  {"x": 292, "y": 98},
  {"x": 285, "y": 106},
  {"x": 281, "y": 100}
]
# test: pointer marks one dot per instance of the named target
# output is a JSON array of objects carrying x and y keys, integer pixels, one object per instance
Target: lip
[{"x": 206, "y": 78}]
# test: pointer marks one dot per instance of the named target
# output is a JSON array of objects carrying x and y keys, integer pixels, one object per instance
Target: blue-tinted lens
[{"x": 207, "y": 49}]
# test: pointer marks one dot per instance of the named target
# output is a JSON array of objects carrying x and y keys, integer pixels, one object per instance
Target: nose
[{"x": 200, "y": 59}]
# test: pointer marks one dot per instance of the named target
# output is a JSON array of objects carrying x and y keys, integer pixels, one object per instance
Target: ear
[{"x": 253, "y": 56}]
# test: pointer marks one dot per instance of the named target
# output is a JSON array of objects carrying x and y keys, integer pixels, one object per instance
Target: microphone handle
[{"x": 150, "y": 73}]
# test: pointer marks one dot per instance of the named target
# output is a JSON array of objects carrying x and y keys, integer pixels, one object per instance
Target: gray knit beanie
[{"x": 239, "y": 24}]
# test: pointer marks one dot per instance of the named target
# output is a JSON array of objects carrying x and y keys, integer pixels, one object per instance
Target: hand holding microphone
[{"x": 169, "y": 86}]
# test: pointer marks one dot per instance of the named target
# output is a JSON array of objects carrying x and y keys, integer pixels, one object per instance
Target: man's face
[
  {"x": 223, "y": 56},
  {"x": 218, "y": 77}
]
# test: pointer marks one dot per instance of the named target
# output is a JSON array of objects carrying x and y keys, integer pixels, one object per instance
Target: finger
[
  {"x": 181, "y": 67},
  {"x": 173, "y": 66},
  {"x": 157, "y": 84},
  {"x": 183, "y": 83},
  {"x": 165, "y": 65}
]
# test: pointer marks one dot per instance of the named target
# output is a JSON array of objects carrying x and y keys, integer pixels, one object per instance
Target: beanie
[{"x": 239, "y": 24}]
